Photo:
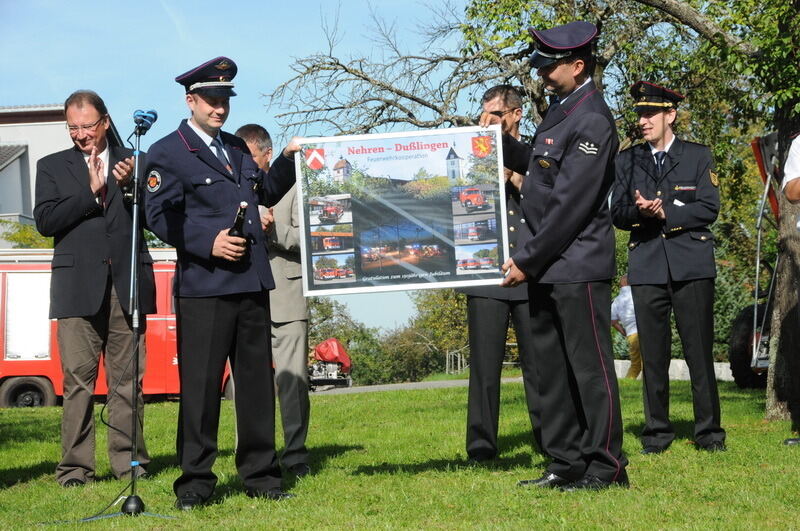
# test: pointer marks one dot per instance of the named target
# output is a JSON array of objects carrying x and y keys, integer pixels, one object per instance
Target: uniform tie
[
  {"x": 660, "y": 156},
  {"x": 221, "y": 153}
]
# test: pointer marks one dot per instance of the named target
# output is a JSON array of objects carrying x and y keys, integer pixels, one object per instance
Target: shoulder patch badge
[
  {"x": 714, "y": 178},
  {"x": 588, "y": 148},
  {"x": 153, "y": 181}
]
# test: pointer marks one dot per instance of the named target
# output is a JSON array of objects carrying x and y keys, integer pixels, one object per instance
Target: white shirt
[
  {"x": 622, "y": 310},
  {"x": 206, "y": 138},
  {"x": 653, "y": 150},
  {"x": 791, "y": 169}
]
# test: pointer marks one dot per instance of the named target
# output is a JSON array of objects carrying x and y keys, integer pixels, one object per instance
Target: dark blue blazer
[
  {"x": 682, "y": 246},
  {"x": 569, "y": 171},
  {"x": 191, "y": 197}
]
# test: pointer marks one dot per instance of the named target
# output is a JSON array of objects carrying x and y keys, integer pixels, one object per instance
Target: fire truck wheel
[
  {"x": 740, "y": 349},
  {"x": 228, "y": 391},
  {"x": 27, "y": 391}
]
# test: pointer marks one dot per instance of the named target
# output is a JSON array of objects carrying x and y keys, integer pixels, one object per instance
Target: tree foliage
[{"x": 24, "y": 236}]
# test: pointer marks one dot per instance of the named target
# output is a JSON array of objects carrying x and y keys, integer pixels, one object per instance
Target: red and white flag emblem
[{"x": 315, "y": 158}]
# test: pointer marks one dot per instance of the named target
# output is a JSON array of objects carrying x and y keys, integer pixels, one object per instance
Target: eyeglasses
[
  {"x": 500, "y": 114},
  {"x": 74, "y": 129}
]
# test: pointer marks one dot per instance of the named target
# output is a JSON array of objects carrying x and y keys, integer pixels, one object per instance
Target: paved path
[{"x": 677, "y": 371}]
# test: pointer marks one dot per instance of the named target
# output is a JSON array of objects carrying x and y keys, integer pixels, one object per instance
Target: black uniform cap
[
  {"x": 648, "y": 97},
  {"x": 212, "y": 78},
  {"x": 562, "y": 41}
]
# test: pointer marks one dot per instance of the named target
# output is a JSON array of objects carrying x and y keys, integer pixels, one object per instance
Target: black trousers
[
  {"x": 488, "y": 321},
  {"x": 208, "y": 329},
  {"x": 692, "y": 302},
  {"x": 581, "y": 418}
]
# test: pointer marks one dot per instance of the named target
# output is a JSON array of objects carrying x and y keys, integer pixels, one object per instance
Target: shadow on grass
[
  {"x": 23, "y": 474},
  {"x": 319, "y": 456},
  {"x": 509, "y": 459}
]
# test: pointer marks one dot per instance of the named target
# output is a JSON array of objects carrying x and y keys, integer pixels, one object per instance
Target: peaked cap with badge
[
  {"x": 212, "y": 78},
  {"x": 557, "y": 43},
  {"x": 649, "y": 97}
]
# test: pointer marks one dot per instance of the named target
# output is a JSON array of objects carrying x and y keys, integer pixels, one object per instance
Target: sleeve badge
[
  {"x": 153, "y": 181},
  {"x": 714, "y": 178},
  {"x": 589, "y": 148}
]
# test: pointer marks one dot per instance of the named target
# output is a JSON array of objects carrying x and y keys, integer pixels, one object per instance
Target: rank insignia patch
[
  {"x": 544, "y": 164},
  {"x": 588, "y": 147},
  {"x": 548, "y": 141},
  {"x": 153, "y": 181},
  {"x": 714, "y": 178}
]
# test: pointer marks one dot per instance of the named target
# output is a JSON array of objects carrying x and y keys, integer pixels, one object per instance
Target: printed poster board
[{"x": 400, "y": 211}]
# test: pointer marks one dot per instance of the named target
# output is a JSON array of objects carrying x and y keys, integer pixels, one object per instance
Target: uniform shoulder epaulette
[{"x": 794, "y": 135}]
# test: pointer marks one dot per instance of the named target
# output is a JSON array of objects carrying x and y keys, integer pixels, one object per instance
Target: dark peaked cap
[
  {"x": 560, "y": 42},
  {"x": 648, "y": 97},
  {"x": 212, "y": 78}
]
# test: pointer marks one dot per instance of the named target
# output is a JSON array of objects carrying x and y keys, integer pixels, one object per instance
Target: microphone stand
[{"x": 133, "y": 504}]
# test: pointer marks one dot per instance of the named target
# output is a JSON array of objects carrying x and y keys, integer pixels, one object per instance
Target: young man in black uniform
[
  {"x": 197, "y": 177},
  {"x": 489, "y": 309},
  {"x": 666, "y": 194},
  {"x": 566, "y": 254}
]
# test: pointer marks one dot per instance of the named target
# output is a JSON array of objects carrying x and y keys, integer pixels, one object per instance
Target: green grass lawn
[{"x": 397, "y": 460}]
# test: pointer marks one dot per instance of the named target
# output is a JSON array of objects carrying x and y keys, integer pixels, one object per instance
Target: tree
[
  {"x": 24, "y": 236},
  {"x": 760, "y": 43},
  {"x": 737, "y": 61}
]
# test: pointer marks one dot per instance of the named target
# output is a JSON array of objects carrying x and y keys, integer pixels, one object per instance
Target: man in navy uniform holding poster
[
  {"x": 196, "y": 178},
  {"x": 566, "y": 254}
]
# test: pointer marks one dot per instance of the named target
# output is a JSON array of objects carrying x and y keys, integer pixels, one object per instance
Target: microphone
[{"x": 144, "y": 120}]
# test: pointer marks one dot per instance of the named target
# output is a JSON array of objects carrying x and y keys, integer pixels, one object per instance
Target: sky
[{"x": 130, "y": 53}]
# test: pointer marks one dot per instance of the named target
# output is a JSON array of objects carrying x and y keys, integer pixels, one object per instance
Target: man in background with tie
[
  {"x": 667, "y": 194},
  {"x": 81, "y": 200},
  {"x": 288, "y": 310}
]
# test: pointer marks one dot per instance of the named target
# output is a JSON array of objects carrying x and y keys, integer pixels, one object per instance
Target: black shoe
[
  {"x": 272, "y": 494},
  {"x": 547, "y": 481},
  {"x": 73, "y": 482},
  {"x": 715, "y": 446},
  {"x": 300, "y": 470},
  {"x": 590, "y": 482},
  {"x": 648, "y": 450},
  {"x": 189, "y": 500},
  {"x": 792, "y": 442}
]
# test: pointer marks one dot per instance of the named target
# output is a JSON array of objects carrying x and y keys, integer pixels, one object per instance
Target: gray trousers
[
  {"x": 290, "y": 355},
  {"x": 80, "y": 342}
]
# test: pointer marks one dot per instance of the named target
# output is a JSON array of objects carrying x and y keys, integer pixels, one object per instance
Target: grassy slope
[{"x": 396, "y": 459}]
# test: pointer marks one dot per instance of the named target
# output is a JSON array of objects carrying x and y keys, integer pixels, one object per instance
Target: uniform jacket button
[
  {"x": 522, "y": 220},
  {"x": 511, "y": 229},
  {"x": 208, "y": 180},
  {"x": 510, "y": 212}
]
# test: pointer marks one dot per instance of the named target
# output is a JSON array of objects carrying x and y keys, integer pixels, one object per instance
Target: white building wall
[
  {"x": 11, "y": 193},
  {"x": 42, "y": 139}
]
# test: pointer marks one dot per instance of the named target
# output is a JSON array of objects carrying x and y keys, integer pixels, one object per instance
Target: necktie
[
  {"x": 221, "y": 153},
  {"x": 660, "y": 156}
]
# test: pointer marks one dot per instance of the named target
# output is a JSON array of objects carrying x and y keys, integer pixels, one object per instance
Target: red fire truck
[{"x": 30, "y": 367}]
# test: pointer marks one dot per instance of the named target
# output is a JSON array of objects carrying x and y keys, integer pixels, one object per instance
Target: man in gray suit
[{"x": 289, "y": 314}]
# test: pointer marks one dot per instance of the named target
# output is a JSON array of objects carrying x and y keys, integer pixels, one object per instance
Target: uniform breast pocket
[
  {"x": 684, "y": 192},
  {"x": 546, "y": 160},
  {"x": 213, "y": 192}
]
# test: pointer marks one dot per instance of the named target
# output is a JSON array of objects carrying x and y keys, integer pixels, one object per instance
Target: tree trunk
[{"x": 783, "y": 384}]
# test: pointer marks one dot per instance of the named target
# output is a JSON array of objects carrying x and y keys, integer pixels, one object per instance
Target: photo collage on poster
[{"x": 401, "y": 210}]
